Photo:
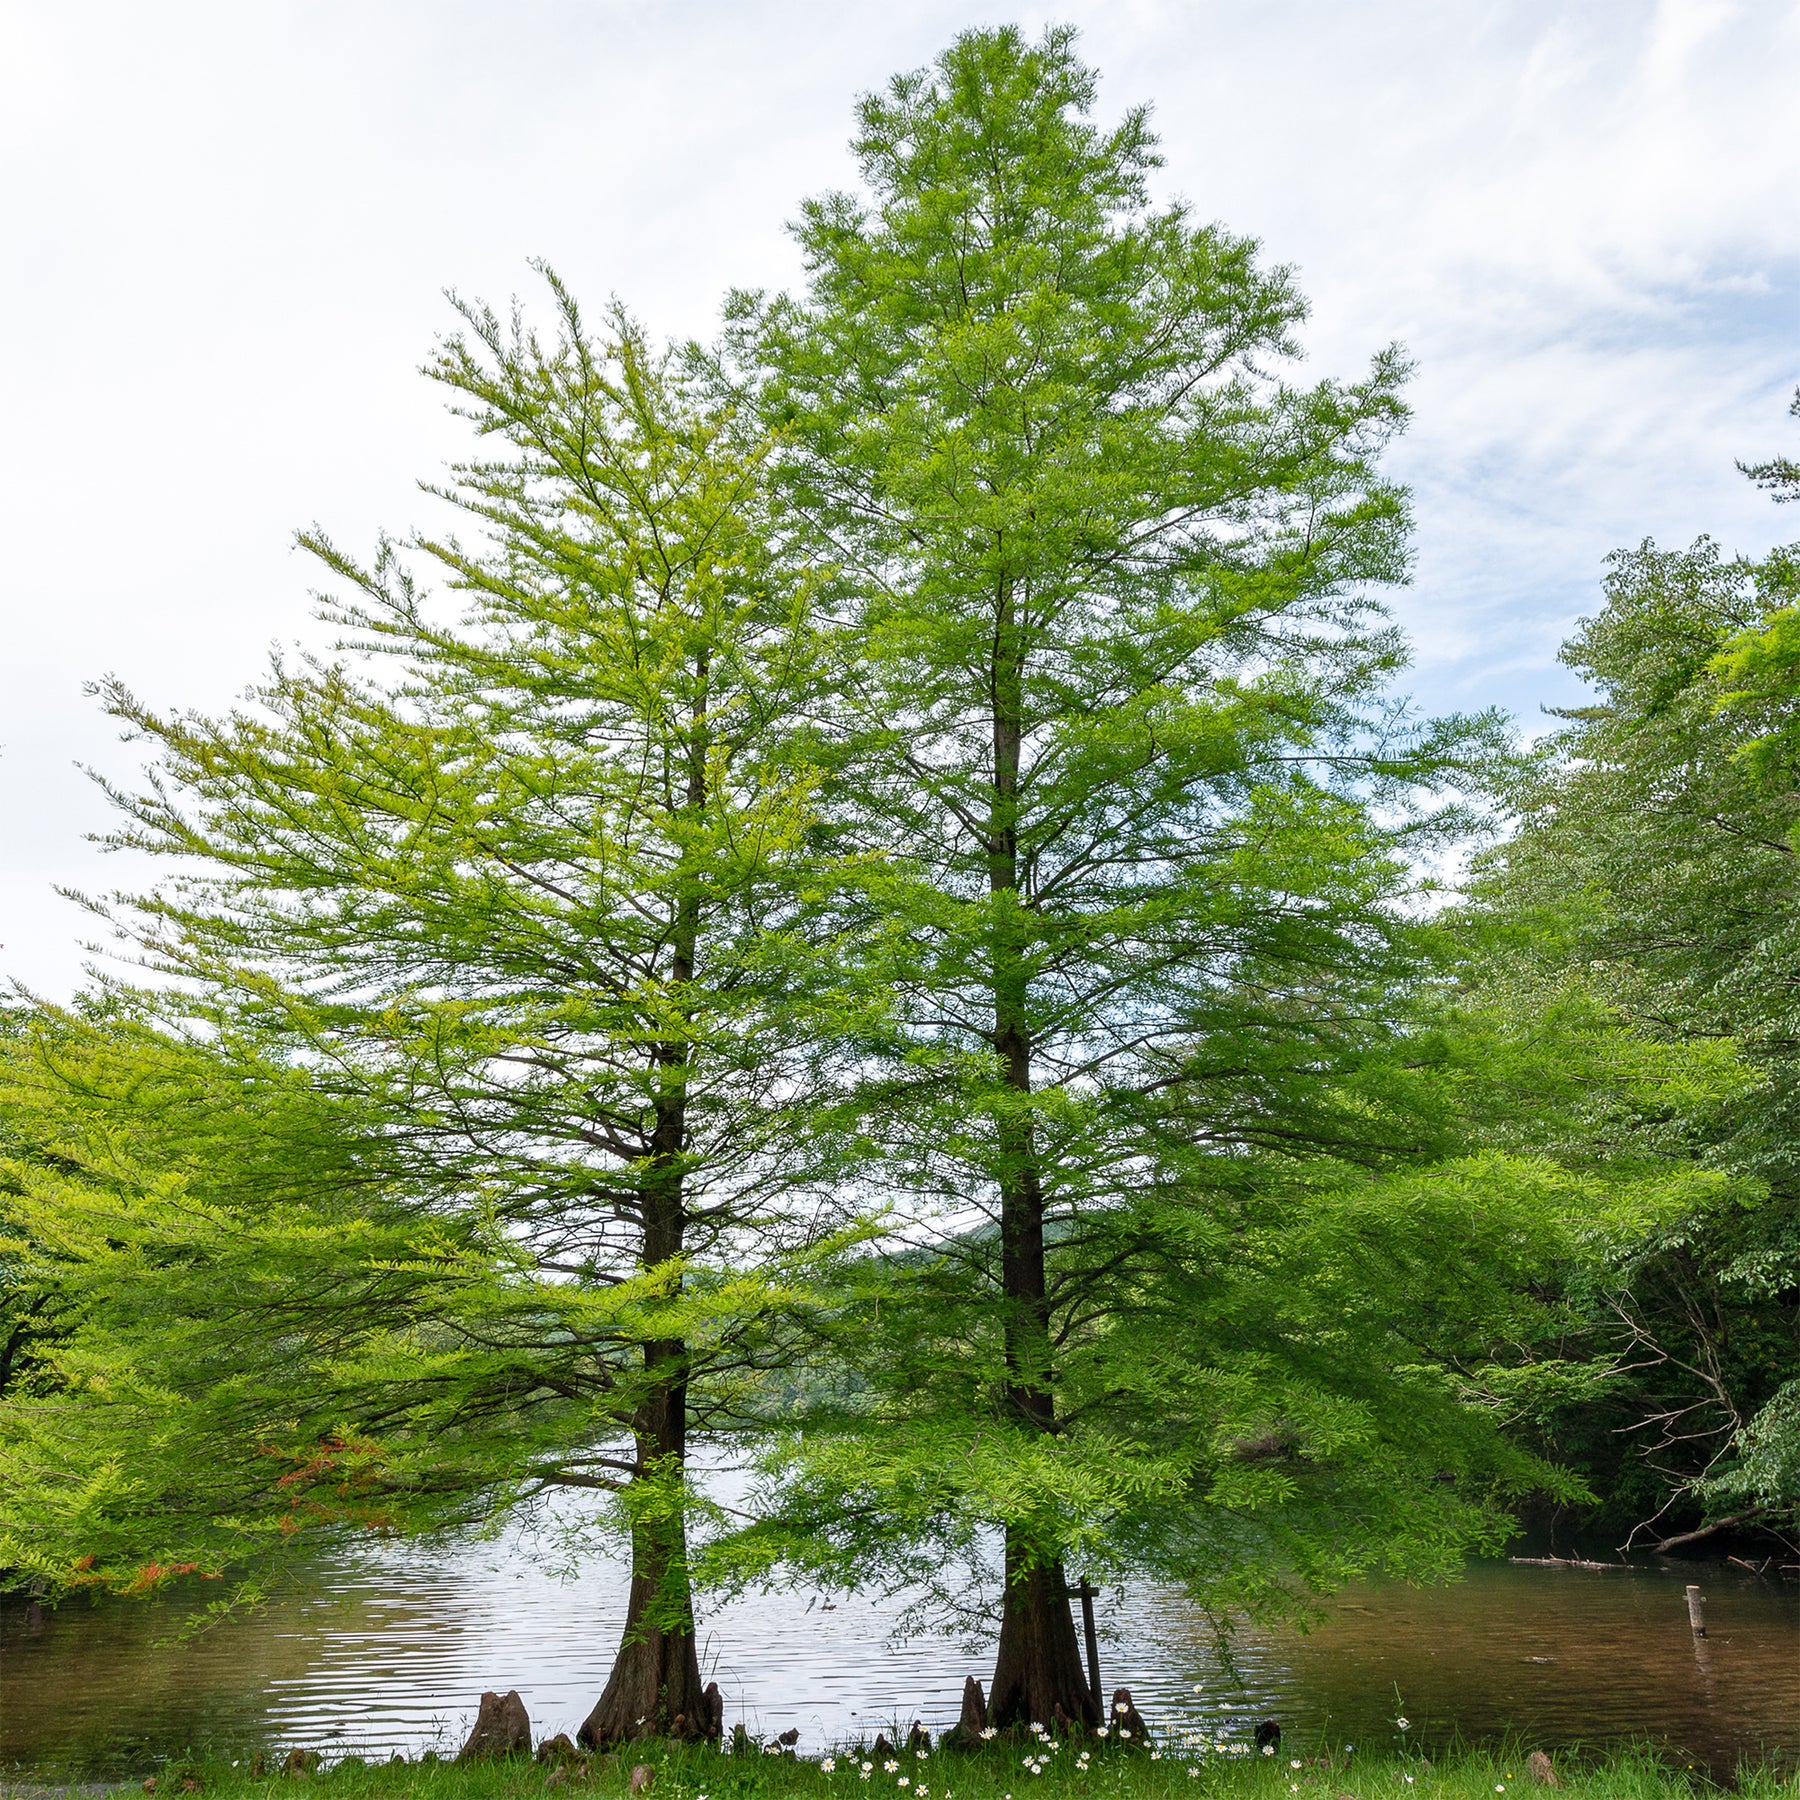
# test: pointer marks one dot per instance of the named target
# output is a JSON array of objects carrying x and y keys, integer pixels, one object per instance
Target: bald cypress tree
[
  {"x": 1114, "y": 738},
  {"x": 533, "y": 884}
]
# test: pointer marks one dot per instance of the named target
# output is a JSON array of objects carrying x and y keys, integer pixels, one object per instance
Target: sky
[{"x": 226, "y": 231}]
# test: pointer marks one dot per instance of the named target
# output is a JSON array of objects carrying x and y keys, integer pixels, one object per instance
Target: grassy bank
[{"x": 998, "y": 1772}]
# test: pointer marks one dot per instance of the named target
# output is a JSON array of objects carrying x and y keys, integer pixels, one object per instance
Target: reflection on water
[{"x": 392, "y": 1650}]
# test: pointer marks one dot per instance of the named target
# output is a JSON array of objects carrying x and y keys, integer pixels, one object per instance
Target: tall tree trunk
[
  {"x": 1037, "y": 1670},
  {"x": 654, "y": 1689}
]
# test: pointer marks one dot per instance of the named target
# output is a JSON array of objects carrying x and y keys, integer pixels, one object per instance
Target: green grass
[{"x": 998, "y": 1772}]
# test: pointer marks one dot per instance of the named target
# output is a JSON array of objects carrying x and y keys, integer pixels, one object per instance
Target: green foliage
[
  {"x": 1292, "y": 1389},
  {"x": 1138, "y": 825},
  {"x": 1652, "y": 883},
  {"x": 515, "y": 916},
  {"x": 269, "y": 1338},
  {"x": 932, "y": 762}
]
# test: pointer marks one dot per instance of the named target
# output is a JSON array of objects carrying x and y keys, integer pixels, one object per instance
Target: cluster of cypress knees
[{"x": 503, "y": 1728}]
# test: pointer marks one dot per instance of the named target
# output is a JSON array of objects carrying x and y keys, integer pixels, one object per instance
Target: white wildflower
[
  {"x": 888, "y": 1767},
  {"x": 1404, "y": 1724},
  {"x": 1268, "y": 1749},
  {"x": 828, "y": 1765}
]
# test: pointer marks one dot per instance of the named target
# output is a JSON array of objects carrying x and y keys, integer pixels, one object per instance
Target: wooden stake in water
[
  {"x": 1086, "y": 1595},
  {"x": 1696, "y": 1611}
]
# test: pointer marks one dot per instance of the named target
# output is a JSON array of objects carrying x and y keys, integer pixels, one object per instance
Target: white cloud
[{"x": 226, "y": 228}]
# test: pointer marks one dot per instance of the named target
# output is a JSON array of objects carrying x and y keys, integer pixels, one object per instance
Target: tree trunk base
[
  {"x": 654, "y": 1691},
  {"x": 1038, "y": 1677}
]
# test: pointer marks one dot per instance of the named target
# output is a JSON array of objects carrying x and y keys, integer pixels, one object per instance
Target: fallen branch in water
[
  {"x": 1706, "y": 1531},
  {"x": 1562, "y": 1562}
]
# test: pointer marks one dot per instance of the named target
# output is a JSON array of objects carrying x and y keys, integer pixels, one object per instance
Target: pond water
[{"x": 390, "y": 1651}]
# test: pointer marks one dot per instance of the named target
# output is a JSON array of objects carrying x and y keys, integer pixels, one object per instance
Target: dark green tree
[
  {"x": 1113, "y": 740},
  {"x": 1653, "y": 873}
]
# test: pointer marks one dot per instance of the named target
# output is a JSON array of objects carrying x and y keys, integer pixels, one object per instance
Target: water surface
[{"x": 392, "y": 1649}]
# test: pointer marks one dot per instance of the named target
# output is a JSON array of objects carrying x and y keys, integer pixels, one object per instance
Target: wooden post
[
  {"x": 1087, "y": 1595},
  {"x": 1696, "y": 1613}
]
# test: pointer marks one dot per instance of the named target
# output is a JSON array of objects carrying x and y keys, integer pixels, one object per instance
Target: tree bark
[
  {"x": 1037, "y": 1670},
  {"x": 654, "y": 1689},
  {"x": 1706, "y": 1531}
]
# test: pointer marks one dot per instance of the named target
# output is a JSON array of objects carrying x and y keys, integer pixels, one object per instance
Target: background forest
[{"x": 864, "y": 956}]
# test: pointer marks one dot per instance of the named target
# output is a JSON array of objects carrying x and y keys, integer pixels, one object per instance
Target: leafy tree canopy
[{"x": 1138, "y": 826}]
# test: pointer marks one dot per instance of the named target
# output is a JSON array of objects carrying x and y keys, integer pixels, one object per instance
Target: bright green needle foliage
[
  {"x": 536, "y": 889},
  {"x": 251, "y": 1337},
  {"x": 1114, "y": 739}
]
